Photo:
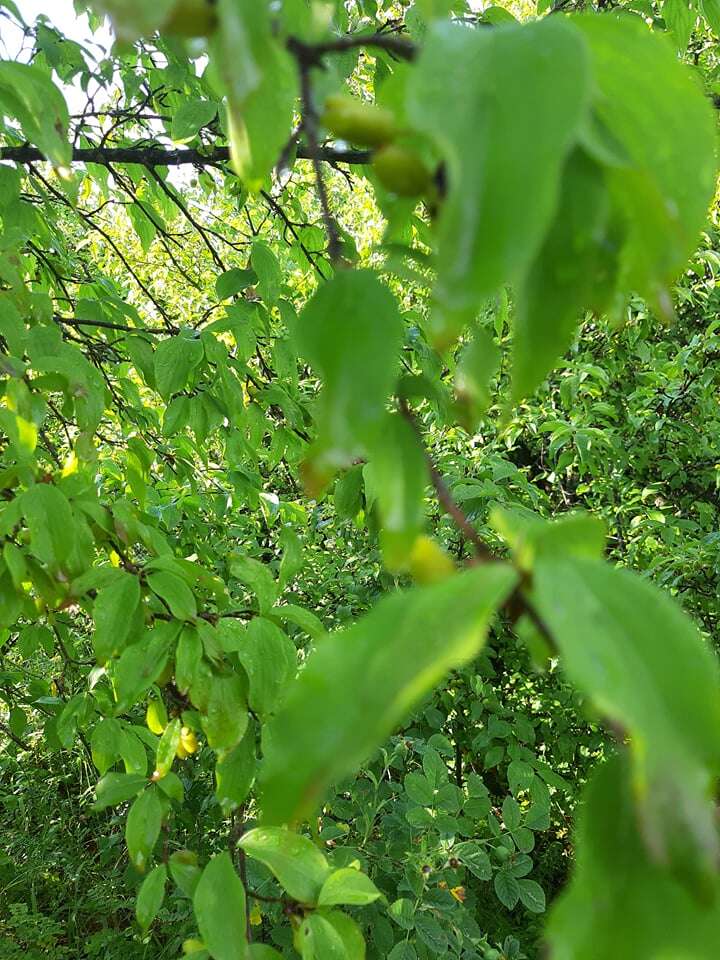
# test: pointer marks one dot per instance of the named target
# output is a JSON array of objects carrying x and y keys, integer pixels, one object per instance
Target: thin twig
[
  {"x": 518, "y": 603},
  {"x": 23, "y": 744},
  {"x": 310, "y": 126},
  {"x": 109, "y": 325},
  {"x": 312, "y": 53},
  {"x": 445, "y": 498}
]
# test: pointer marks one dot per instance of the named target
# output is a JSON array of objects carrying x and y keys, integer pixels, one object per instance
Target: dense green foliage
[{"x": 359, "y": 482}]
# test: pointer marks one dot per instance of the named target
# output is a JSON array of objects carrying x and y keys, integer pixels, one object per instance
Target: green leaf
[
  {"x": 348, "y": 932},
  {"x": 142, "y": 828},
  {"x": 532, "y": 538},
  {"x": 150, "y": 896},
  {"x": 18, "y": 722},
  {"x": 190, "y": 117},
  {"x": 233, "y": 281},
  {"x": 504, "y": 168},
  {"x": 266, "y": 266},
  {"x": 167, "y": 748},
  {"x": 270, "y": 661},
  {"x": 132, "y": 751},
  {"x": 258, "y": 577},
  {"x": 141, "y": 664},
  {"x": 511, "y": 813},
  {"x": 175, "y": 359},
  {"x": 320, "y": 940},
  {"x": 293, "y": 560},
  {"x": 532, "y": 896},
  {"x": 402, "y": 912},
  {"x": 397, "y": 476},
  {"x": 403, "y": 951},
  {"x": 261, "y": 82},
  {"x": 235, "y": 772},
  {"x": 711, "y": 12},
  {"x": 260, "y": 951},
  {"x": 434, "y": 766},
  {"x": 419, "y": 789},
  {"x": 307, "y": 621},
  {"x": 350, "y": 331},
  {"x": 653, "y": 109},
  {"x": 389, "y": 659},
  {"x": 680, "y": 17},
  {"x": 188, "y": 655},
  {"x": 171, "y": 786},
  {"x": 295, "y": 861},
  {"x": 146, "y": 222},
  {"x": 478, "y": 363},
  {"x": 105, "y": 744},
  {"x": 646, "y": 668},
  {"x": 348, "y": 493},
  {"x": 472, "y": 856},
  {"x": 67, "y": 721},
  {"x": 51, "y": 525},
  {"x": 260, "y": 133},
  {"x": 348, "y": 886},
  {"x": 507, "y": 888},
  {"x": 219, "y": 905},
  {"x": 620, "y": 901},
  {"x": 226, "y": 719},
  {"x": 185, "y": 871},
  {"x": 520, "y": 775},
  {"x": 28, "y": 94},
  {"x": 574, "y": 270},
  {"x": 115, "y": 788},
  {"x": 16, "y": 563},
  {"x": 114, "y": 613},
  {"x": 175, "y": 592}
]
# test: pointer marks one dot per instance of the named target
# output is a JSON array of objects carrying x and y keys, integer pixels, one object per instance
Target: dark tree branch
[
  {"x": 276, "y": 208},
  {"x": 311, "y": 54},
  {"x": 109, "y": 325},
  {"x": 23, "y": 744},
  {"x": 157, "y": 156},
  {"x": 445, "y": 498},
  {"x": 518, "y": 603}
]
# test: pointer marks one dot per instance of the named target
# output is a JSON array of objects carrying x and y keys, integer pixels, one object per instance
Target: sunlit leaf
[
  {"x": 504, "y": 166},
  {"x": 388, "y": 660},
  {"x": 297, "y": 863}
]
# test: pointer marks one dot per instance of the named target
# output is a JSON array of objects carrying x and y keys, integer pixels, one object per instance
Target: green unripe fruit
[
  {"x": 357, "y": 122},
  {"x": 501, "y": 854},
  {"x": 191, "y": 18},
  {"x": 492, "y": 954},
  {"x": 429, "y": 563},
  {"x": 401, "y": 170}
]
